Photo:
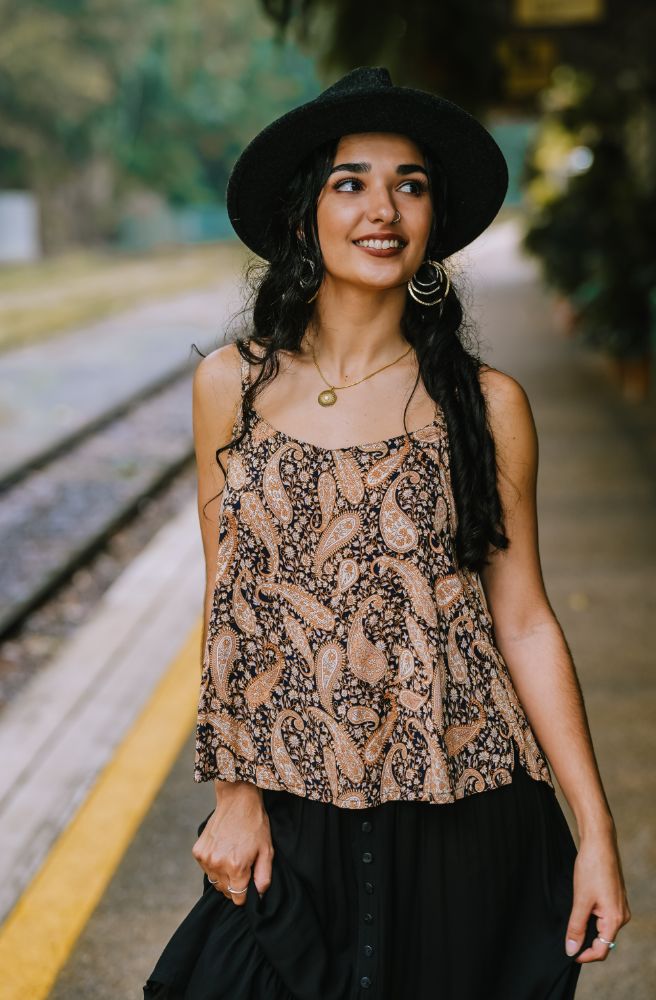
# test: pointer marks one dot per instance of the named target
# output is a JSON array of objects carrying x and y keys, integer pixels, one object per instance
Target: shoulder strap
[{"x": 245, "y": 382}]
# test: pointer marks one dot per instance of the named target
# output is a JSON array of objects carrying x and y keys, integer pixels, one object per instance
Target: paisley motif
[
  {"x": 259, "y": 521},
  {"x": 258, "y": 689},
  {"x": 346, "y": 752},
  {"x": 348, "y": 572},
  {"x": 456, "y": 660},
  {"x": 243, "y": 614},
  {"x": 290, "y": 775},
  {"x": 365, "y": 659},
  {"x": 327, "y": 492},
  {"x": 233, "y": 732},
  {"x": 274, "y": 491},
  {"x": 341, "y": 530},
  {"x": 294, "y": 630},
  {"x": 223, "y": 652},
  {"x": 386, "y": 467},
  {"x": 236, "y": 472},
  {"x": 389, "y": 786},
  {"x": 414, "y": 582},
  {"x": 348, "y": 476},
  {"x": 399, "y": 532},
  {"x": 328, "y": 667},
  {"x": 314, "y": 613}
]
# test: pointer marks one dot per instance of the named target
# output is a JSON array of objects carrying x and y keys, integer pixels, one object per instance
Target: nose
[{"x": 381, "y": 207}]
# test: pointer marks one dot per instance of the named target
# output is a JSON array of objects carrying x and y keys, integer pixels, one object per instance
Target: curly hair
[{"x": 442, "y": 339}]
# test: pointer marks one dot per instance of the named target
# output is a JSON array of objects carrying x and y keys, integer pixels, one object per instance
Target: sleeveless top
[{"x": 347, "y": 658}]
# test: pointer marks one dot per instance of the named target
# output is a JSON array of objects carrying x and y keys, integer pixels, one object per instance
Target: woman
[{"x": 386, "y": 824}]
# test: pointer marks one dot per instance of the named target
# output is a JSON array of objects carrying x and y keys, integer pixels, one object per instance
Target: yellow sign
[{"x": 533, "y": 13}]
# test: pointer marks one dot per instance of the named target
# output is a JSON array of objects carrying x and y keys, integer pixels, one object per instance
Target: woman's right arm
[{"x": 237, "y": 837}]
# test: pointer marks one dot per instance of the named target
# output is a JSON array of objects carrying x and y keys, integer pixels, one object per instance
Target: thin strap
[{"x": 245, "y": 382}]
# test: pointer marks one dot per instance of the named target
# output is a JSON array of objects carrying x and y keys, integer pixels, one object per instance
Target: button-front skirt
[{"x": 400, "y": 901}]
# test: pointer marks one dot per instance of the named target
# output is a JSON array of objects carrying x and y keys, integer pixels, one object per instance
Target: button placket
[{"x": 368, "y": 895}]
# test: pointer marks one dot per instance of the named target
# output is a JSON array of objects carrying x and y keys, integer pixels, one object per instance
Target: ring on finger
[
  {"x": 611, "y": 944},
  {"x": 212, "y": 881},
  {"x": 237, "y": 892}
]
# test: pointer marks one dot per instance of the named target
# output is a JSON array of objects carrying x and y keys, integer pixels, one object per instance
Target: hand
[
  {"x": 598, "y": 889},
  {"x": 236, "y": 837}
]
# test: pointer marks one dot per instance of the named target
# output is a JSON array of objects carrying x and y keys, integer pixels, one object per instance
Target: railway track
[{"x": 59, "y": 510}]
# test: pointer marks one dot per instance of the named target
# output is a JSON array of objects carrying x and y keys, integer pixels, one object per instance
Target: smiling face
[{"x": 375, "y": 176}]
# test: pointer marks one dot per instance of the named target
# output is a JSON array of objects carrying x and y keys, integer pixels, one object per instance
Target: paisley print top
[{"x": 348, "y": 659}]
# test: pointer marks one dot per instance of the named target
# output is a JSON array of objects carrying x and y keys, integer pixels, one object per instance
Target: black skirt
[{"x": 400, "y": 901}]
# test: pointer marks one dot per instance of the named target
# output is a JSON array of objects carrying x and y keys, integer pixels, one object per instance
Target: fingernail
[{"x": 571, "y": 947}]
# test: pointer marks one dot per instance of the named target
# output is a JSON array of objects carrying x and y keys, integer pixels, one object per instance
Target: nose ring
[{"x": 399, "y": 216}]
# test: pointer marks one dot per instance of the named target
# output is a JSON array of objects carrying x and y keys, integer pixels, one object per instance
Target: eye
[
  {"x": 346, "y": 180},
  {"x": 420, "y": 186}
]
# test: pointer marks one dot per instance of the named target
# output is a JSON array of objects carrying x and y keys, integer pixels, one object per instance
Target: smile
[{"x": 380, "y": 244}]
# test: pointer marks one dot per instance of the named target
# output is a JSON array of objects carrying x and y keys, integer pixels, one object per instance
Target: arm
[
  {"x": 237, "y": 835},
  {"x": 539, "y": 660}
]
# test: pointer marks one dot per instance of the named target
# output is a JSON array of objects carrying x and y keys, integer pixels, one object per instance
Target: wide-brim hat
[{"x": 365, "y": 100}]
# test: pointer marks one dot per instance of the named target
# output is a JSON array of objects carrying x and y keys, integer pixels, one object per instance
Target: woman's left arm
[{"x": 539, "y": 660}]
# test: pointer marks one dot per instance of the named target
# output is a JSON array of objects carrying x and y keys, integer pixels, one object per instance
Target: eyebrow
[{"x": 365, "y": 168}]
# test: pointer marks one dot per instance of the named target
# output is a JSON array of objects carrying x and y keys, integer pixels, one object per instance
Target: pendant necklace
[{"x": 328, "y": 397}]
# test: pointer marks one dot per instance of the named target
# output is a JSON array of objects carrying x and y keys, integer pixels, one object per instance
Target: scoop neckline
[{"x": 437, "y": 420}]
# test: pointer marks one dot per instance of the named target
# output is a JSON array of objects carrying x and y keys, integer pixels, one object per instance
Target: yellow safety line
[{"x": 41, "y": 930}]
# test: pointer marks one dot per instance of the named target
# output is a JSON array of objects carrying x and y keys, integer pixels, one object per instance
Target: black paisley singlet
[{"x": 348, "y": 658}]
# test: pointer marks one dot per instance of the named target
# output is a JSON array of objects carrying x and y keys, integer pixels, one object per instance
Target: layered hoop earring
[
  {"x": 305, "y": 284},
  {"x": 441, "y": 281}
]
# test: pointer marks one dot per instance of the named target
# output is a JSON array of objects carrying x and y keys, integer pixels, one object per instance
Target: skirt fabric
[{"x": 400, "y": 901}]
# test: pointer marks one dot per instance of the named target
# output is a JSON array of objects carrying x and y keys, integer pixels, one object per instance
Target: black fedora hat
[{"x": 365, "y": 100}]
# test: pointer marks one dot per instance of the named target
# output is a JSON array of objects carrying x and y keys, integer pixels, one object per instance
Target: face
[{"x": 375, "y": 176}]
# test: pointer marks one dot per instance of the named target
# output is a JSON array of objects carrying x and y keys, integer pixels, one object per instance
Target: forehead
[{"x": 381, "y": 144}]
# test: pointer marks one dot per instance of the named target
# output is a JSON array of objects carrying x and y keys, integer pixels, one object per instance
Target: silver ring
[
  {"x": 212, "y": 881},
  {"x": 611, "y": 944},
  {"x": 237, "y": 890},
  {"x": 399, "y": 216}
]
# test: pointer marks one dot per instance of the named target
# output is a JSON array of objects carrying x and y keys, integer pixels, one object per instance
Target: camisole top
[{"x": 348, "y": 658}]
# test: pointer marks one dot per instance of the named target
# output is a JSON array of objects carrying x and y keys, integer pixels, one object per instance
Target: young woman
[{"x": 385, "y": 685}]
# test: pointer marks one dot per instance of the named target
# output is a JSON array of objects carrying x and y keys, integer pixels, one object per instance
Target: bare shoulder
[
  {"x": 217, "y": 388},
  {"x": 509, "y": 413}
]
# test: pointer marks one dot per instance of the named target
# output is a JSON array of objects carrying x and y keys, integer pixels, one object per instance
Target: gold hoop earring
[{"x": 441, "y": 280}]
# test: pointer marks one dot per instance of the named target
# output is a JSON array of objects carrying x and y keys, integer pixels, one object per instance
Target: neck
[{"x": 354, "y": 330}]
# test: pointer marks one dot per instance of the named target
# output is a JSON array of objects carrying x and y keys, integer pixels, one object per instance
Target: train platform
[{"x": 98, "y": 808}]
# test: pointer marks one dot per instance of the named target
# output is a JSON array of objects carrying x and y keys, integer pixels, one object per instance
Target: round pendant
[{"x": 328, "y": 397}]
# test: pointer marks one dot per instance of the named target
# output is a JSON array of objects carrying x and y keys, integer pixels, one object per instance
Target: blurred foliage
[
  {"x": 447, "y": 46},
  {"x": 163, "y": 96},
  {"x": 591, "y": 193}
]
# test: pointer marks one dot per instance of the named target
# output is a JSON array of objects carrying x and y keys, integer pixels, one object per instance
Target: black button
[
  {"x": 367, "y": 857},
  {"x": 366, "y": 826},
  {"x": 365, "y": 981},
  {"x": 369, "y": 887},
  {"x": 368, "y": 950},
  {"x": 368, "y": 918}
]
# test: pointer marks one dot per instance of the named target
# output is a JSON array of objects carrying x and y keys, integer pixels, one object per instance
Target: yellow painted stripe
[{"x": 41, "y": 930}]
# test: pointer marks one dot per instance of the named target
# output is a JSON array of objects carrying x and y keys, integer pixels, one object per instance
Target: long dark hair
[{"x": 441, "y": 337}]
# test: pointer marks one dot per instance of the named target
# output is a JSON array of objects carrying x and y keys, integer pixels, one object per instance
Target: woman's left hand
[{"x": 598, "y": 889}]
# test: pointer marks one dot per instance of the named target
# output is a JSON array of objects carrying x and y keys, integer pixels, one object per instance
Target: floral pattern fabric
[{"x": 348, "y": 658}]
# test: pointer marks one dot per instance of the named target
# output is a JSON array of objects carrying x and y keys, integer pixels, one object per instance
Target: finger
[
  {"x": 237, "y": 893},
  {"x": 577, "y": 926},
  {"x": 262, "y": 871},
  {"x": 597, "y": 952}
]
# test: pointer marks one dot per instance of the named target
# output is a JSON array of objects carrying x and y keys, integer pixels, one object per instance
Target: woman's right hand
[{"x": 236, "y": 839}]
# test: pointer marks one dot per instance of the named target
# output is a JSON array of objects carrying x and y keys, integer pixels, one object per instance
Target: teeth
[{"x": 379, "y": 244}]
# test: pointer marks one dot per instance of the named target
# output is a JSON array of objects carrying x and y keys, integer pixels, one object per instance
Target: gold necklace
[{"x": 328, "y": 397}]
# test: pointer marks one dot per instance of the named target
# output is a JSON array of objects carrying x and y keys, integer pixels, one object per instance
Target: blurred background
[{"x": 119, "y": 125}]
